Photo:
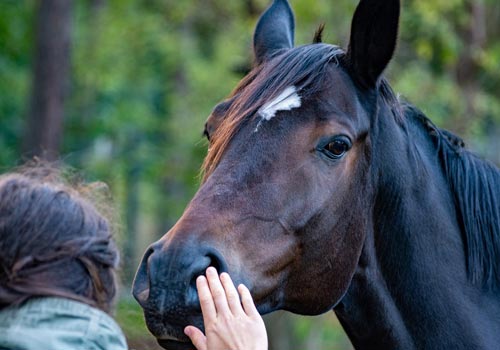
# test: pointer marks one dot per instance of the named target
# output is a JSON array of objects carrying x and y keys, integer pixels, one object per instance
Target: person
[
  {"x": 58, "y": 265},
  {"x": 229, "y": 323}
]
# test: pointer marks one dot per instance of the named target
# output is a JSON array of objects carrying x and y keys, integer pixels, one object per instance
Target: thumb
[{"x": 197, "y": 337}]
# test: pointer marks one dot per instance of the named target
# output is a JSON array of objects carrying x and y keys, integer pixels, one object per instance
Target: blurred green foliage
[{"x": 146, "y": 74}]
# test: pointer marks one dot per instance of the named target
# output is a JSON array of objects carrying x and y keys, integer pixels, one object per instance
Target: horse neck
[{"x": 410, "y": 290}]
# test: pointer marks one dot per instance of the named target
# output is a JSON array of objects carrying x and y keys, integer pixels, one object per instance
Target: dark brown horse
[{"x": 323, "y": 191}]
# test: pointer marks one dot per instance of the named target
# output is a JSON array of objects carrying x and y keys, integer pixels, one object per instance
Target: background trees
[
  {"x": 133, "y": 81},
  {"x": 43, "y": 133}
]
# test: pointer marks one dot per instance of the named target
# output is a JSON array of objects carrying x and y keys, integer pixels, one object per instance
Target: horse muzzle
[{"x": 165, "y": 287}]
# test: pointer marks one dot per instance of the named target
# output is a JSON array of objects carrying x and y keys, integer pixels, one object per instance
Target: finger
[
  {"x": 233, "y": 299},
  {"x": 197, "y": 337},
  {"x": 218, "y": 293},
  {"x": 206, "y": 300},
  {"x": 247, "y": 301}
]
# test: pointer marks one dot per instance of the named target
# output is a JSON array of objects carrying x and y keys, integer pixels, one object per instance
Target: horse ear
[
  {"x": 274, "y": 31},
  {"x": 374, "y": 33}
]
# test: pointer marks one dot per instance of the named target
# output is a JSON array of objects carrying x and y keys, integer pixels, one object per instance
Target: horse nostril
[
  {"x": 217, "y": 261},
  {"x": 211, "y": 258},
  {"x": 142, "y": 283}
]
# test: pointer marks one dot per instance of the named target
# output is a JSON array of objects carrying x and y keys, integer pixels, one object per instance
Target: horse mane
[{"x": 475, "y": 186}]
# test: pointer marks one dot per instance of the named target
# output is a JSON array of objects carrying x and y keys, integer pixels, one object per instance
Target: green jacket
[{"x": 58, "y": 324}]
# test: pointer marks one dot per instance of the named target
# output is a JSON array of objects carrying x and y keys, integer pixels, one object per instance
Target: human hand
[{"x": 229, "y": 323}]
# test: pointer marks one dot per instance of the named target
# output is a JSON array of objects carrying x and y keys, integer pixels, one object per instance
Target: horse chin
[
  {"x": 267, "y": 308},
  {"x": 170, "y": 335},
  {"x": 170, "y": 344}
]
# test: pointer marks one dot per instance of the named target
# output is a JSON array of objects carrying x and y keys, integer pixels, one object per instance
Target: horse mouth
[
  {"x": 169, "y": 333},
  {"x": 170, "y": 344}
]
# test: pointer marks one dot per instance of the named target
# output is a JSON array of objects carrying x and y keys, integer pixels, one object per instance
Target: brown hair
[{"x": 53, "y": 241}]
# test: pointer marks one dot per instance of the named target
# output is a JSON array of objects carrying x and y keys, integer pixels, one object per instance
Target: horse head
[{"x": 285, "y": 202}]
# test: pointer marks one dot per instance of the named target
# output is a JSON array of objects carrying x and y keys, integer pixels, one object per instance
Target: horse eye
[{"x": 337, "y": 147}]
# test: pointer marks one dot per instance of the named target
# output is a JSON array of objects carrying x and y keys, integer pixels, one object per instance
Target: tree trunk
[
  {"x": 132, "y": 210},
  {"x": 129, "y": 262},
  {"x": 51, "y": 65},
  {"x": 474, "y": 40}
]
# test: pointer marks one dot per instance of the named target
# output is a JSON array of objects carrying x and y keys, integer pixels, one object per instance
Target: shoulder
[{"x": 59, "y": 323}]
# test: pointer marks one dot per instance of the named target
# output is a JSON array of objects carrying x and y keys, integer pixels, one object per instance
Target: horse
[{"x": 323, "y": 190}]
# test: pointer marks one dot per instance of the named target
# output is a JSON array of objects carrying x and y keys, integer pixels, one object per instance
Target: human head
[{"x": 53, "y": 241}]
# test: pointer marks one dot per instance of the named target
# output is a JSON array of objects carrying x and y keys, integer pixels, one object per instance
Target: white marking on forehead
[{"x": 285, "y": 101}]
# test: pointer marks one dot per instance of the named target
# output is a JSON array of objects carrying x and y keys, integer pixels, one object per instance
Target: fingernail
[{"x": 211, "y": 269}]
